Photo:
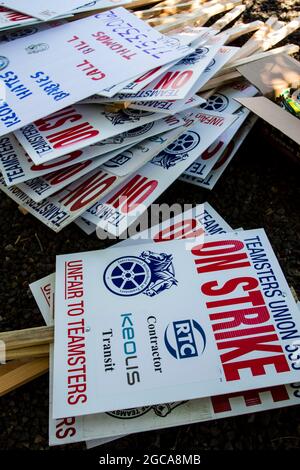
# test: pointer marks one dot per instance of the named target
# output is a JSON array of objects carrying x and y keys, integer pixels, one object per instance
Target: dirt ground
[{"x": 260, "y": 188}]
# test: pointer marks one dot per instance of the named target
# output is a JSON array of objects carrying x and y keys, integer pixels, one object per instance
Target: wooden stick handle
[
  {"x": 27, "y": 338},
  {"x": 21, "y": 374},
  {"x": 32, "y": 352}
]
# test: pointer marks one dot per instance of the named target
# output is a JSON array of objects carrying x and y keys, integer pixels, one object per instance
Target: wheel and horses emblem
[
  {"x": 150, "y": 273},
  {"x": 177, "y": 151},
  {"x": 216, "y": 102}
]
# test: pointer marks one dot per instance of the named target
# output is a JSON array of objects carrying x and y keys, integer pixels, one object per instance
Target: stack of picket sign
[
  {"x": 130, "y": 354},
  {"x": 134, "y": 107},
  {"x": 132, "y": 110}
]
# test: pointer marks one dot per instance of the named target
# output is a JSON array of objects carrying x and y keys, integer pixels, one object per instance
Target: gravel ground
[{"x": 259, "y": 189}]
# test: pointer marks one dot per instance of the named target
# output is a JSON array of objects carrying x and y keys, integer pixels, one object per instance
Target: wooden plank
[
  {"x": 266, "y": 37},
  {"x": 274, "y": 37},
  {"x": 199, "y": 16},
  {"x": 241, "y": 29},
  {"x": 177, "y": 2},
  {"x": 23, "y": 374},
  {"x": 220, "y": 81},
  {"x": 228, "y": 17},
  {"x": 255, "y": 42},
  {"x": 23, "y": 210},
  {"x": 28, "y": 353},
  {"x": 289, "y": 49},
  {"x": 28, "y": 337},
  {"x": 11, "y": 365}
]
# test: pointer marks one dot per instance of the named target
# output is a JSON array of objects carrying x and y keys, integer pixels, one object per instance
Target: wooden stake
[
  {"x": 199, "y": 17},
  {"x": 23, "y": 210},
  {"x": 230, "y": 66},
  {"x": 276, "y": 36},
  {"x": 28, "y": 353},
  {"x": 22, "y": 374},
  {"x": 162, "y": 11},
  {"x": 229, "y": 17},
  {"x": 241, "y": 29},
  {"x": 256, "y": 40},
  {"x": 172, "y": 3},
  {"x": 11, "y": 365},
  {"x": 27, "y": 338},
  {"x": 220, "y": 81}
]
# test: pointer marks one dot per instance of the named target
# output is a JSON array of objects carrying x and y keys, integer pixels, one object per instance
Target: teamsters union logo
[
  {"x": 3, "y": 62},
  {"x": 177, "y": 151},
  {"x": 216, "y": 102},
  {"x": 185, "y": 339},
  {"x": 36, "y": 48},
  {"x": 195, "y": 57},
  {"x": 162, "y": 410},
  {"x": 150, "y": 273},
  {"x": 125, "y": 115}
]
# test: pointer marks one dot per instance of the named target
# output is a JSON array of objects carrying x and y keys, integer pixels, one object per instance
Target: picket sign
[
  {"x": 168, "y": 107},
  {"x": 122, "y": 207},
  {"x": 41, "y": 187},
  {"x": 228, "y": 153},
  {"x": 62, "y": 208},
  {"x": 172, "y": 81},
  {"x": 224, "y": 54},
  {"x": 42, "y": 10},
  {"x": 76, "y": 429},
  {"x": 10, "y": 18},
  {"x": 204, "y": 165},
  {"x": 195, "y": 268},
  {"x": 182, "y": 413},
  {"x": 17, "y": 167},
  {"x": 79, "y": 77},
  {"x": 177, "y": 82},
  {"x": 11, "y": 22},
  {"x": 75, "y": 128},
  {"x": 128, "y": 161},
  {"x": 225, "y": 101}
]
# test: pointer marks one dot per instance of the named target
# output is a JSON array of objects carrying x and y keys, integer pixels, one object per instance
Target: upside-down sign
[{"x": 61, "y": 66}]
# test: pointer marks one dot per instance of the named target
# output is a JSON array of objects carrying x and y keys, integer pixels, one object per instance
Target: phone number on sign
[{"x": 155, "y": 48}]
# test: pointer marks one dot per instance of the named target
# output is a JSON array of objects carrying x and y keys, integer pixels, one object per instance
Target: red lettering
[
  {"x": 228, "y": 259},
  {"x": 147, "y": 75},
  {"x": 222, "y": 404},
  {"x": 65, "y": 159},
  {"x": 91, "y": 189},
  {"x": 67, "y": 114},
  {"x": 72, "y": 135},
  {"x": 225, "y": 155},
  {"x": 231, "y": 370},
  {"x": 243, "y": 346},
  {"x": 59, "y": 176},
  {"x": 212, "y": 150},
  {"x": 186, "y": 229},
  {"x": 133, "y": 193}
]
